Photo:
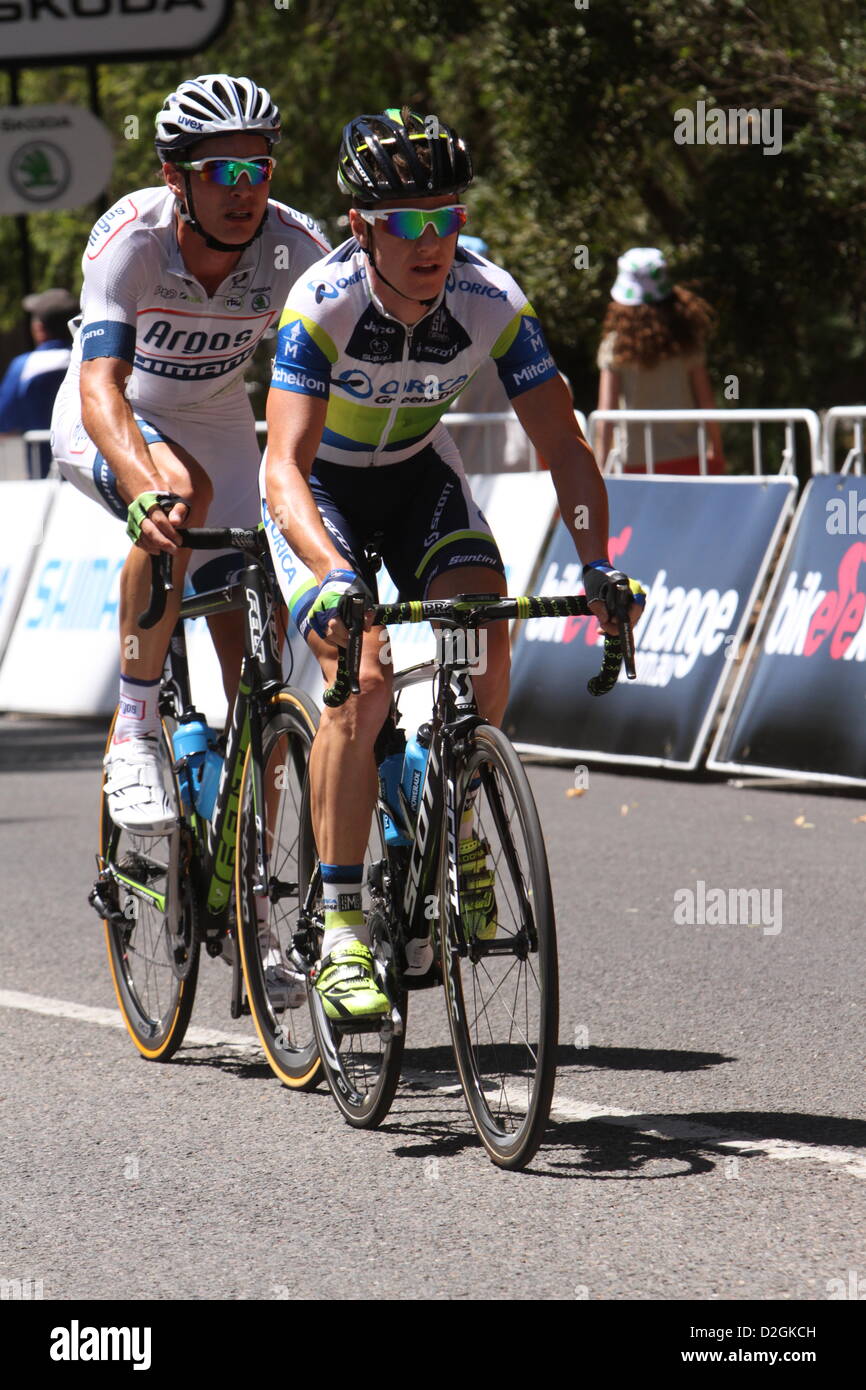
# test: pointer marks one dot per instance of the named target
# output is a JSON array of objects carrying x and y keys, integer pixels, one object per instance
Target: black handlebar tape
[
  {"x": 338, "y": 693},
  {"x": 608, "y": 676},
  {"x": 160, "y": 583},
  {"x": 350, "y": 611}
]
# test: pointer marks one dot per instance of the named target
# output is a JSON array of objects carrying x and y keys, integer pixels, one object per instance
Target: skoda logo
[{"x": 39, "y": 171}]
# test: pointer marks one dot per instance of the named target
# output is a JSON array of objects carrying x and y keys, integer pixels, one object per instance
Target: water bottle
[
  {"x": 390, "y": 771},
  {"x": 414, "y": 768},
  {"x": 211, "y": 773},
  {"x": 190, "y": 748}
]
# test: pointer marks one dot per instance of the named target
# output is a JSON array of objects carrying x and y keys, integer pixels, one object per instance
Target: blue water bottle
[
  {"x": 415, "y": 767},
  {"x": 190, "y": 747},
  {"x": 390, "y": 771},
  {"x": 211, "y": 774}
]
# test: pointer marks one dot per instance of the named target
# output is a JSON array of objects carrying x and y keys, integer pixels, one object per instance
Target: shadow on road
[
  {"x": 635, "y": 1059},
  {"x": 68, "y": 745}
]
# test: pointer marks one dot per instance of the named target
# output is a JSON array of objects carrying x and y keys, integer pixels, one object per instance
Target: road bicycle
[
  {"x": 225, "y": 873},
  {"x": 501, "y": 991}
]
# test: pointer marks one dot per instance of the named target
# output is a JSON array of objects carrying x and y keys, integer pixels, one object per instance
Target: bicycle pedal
[{"x": 103, "y": 899}]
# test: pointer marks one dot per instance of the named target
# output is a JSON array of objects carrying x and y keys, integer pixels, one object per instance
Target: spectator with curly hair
[{"x": 651, "y": 357}]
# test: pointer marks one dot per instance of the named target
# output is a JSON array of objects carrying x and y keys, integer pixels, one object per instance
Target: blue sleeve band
[
  {"x": 301, "y": 380},
  {"x": 108, "y": 339},
  {"x": 528, "y": 361},
  {"x": 598, "y": 565}
]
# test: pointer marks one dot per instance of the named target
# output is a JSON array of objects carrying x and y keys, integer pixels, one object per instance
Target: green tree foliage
[{"x": 570, "y": 109}]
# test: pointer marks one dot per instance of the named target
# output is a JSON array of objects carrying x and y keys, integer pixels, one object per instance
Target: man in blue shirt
[{"x": 32, "y": 380}]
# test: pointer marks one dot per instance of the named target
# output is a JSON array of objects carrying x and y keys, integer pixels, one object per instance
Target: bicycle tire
[
  {"x": 153, "y": 951},
  {"x": 502, "y": 996},
  {"x": 287, "y": 1036},
  {"x": 362, "y": 1067}
]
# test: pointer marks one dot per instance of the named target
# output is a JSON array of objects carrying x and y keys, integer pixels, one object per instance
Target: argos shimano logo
[{"x": 163, "y": 334}]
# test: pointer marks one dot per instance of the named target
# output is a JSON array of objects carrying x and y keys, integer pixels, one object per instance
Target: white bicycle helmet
[{"x": 214, "y": 104}]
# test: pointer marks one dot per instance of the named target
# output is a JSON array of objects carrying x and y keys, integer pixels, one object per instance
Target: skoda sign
[
  {"x": 55, "y": 31},
  {"x": 51, "y": 157}
]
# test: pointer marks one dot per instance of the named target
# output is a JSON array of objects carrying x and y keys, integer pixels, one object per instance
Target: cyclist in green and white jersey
[{"x": 375, "y": 342}]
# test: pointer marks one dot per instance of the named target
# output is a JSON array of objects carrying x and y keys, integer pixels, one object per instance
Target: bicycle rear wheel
[
  {"x": 361, "y": 1061},
  {"x": 266, "y": 927},
  {"x": 502, "y": 993},
  {"x": 145, "y": 892}
]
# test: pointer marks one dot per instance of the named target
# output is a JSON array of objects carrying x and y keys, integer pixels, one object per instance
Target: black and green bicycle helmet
[{"x": 400, "y": 154}]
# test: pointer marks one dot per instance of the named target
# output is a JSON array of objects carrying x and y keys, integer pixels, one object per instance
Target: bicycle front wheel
[
  {"x": 266, "y": 926},
  {"x": 499, "y": 962},
  {"x": 150, "y": 929}
]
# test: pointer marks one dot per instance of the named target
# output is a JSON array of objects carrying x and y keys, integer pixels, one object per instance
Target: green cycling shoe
[
  {"x": 347, "y": 986},
  {"x": 476, "y": 889}
]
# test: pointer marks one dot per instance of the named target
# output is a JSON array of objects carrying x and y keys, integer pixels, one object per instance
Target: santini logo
[{"x": 76, "y": 1343}]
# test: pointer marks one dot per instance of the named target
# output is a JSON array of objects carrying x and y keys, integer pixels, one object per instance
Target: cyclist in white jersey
[
  {"x": 180, "y": 284},
  {"x": 375, "y": 342}
]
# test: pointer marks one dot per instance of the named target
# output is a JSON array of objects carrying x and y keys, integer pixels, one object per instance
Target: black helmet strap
[
  {"x": 368, "y": 249},
  {"x": 188, "y": 215}
]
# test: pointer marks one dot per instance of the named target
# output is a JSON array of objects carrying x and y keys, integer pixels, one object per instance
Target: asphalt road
[{"x": 708, "y": 1138}]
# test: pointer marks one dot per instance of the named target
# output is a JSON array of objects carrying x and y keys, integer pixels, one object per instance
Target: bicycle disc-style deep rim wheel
[
  {"x": 287, "y": 1036},
  {"x": 503, "y": 1009},
  {"x": 362, "y": 1068},
  {"x": 154, "y": 956}
]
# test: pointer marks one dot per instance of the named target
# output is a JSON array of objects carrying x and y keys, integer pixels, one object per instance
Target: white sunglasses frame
[{"x": 373, "y": 215}]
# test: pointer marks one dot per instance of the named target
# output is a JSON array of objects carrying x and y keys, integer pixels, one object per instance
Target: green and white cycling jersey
[{"x": 387, "y": 385}]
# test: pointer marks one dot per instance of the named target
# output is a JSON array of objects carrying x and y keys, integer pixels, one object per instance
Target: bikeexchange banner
[
  {"x": 700, "y": 546},
  {"x": 798, "y": 708}
]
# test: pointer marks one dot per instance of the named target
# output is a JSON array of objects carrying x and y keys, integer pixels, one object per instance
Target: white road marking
[
  {"x": 110, "y": 1018},
  {"x": 564, "y": 1109}
]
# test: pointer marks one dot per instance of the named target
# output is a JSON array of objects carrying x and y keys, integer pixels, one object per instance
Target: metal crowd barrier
[
  {"x": 848, "y": 414},
  {"x": 496, "y": 417},
  {"x": 788, "y": 417}
]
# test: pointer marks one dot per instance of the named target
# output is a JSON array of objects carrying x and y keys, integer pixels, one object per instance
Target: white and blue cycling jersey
[
  {"x": 141, "y": 304},
  {"x": 187, "y": 348},
  {"x": 387, "y": 385}
]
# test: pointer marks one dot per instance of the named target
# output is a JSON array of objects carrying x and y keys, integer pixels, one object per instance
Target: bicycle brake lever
[{"x": 160, "y": 584}]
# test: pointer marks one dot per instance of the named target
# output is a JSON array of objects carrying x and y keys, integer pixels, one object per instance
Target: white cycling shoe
[
  {"x": 135, "y": 787},
  {"x": 287, "y": 988}
]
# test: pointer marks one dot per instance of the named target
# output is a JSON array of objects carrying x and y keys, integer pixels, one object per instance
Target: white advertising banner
[
  {"x": 23, "y": 511},
  {"x": 519, "y": 508},
  {"x": 62, "y": 657},
  {"x": 57, "y": 31},
  {"x": 51, "y": 157},
  {"x": 63, "y": 653}
]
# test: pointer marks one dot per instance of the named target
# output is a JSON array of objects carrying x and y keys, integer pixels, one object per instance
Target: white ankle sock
[{"x": 138, "y": 709}]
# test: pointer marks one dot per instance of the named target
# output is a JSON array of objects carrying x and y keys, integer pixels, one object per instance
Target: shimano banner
[
  {"x": 798, "y": 707},
  {"x": 700, "y": 547}
]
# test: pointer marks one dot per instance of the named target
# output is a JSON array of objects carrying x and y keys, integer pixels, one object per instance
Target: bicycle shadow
[
  {"x": 616, "y": 1147},
  {"x": 649, "y": 1146}
]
